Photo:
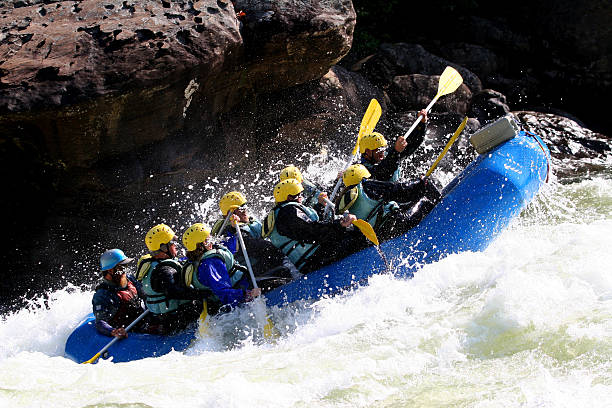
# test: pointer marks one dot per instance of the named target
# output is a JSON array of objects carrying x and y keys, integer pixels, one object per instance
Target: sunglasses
[{"x": 119, "y": 269}]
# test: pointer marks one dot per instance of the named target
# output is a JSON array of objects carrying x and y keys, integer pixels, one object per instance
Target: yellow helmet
[
  {"x": 285, "y": 188},
  {"x": 291, "y": 172},
  {"x": 372, "y": 141},
  {"x": 354, "y": 174},
  {"x": 194, "y": 235},
  {"x": 231, "y": 201},
  {"x": 158, "y": 235}
]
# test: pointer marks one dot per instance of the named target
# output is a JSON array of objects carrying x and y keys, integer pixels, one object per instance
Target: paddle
[
  {"x": 448, "y": 146},
  {"x": 368, "y": 123},
  {"x": 203, "y": 326},
  {"x": 258, "y": 303},
  {"x": 225, "y": 221},
  {"x": 363, "y": 226},
  {"x": 449, "y": 81},
  {"x": 116, "y": 339},
  {"x": 367, "y": 230}
]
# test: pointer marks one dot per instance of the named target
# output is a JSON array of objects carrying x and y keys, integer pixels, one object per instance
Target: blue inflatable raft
[{"x": 477, "y": 206}]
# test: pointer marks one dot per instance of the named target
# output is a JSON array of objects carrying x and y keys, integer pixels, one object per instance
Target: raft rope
[{"x": 544, "y": 150}]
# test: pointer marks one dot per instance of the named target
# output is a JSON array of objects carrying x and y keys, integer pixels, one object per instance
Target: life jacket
[
  {"x": 157, "y": 302},
  {"x": 298, "y": 252},
  {"x": 357, "y": 202},
  {"x": 396, "y": 174},
  {"x": 253, "y": 227},
  {"x": 129, "y": 303},
  {"x": 233, "y": 269}
]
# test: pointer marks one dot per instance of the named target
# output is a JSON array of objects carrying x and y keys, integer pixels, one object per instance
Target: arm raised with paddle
[
  {"x": 368, "y": 123},
  {"x": 449, "y": 81}
]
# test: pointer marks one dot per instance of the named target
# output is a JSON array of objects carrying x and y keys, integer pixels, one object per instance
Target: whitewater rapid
[{"x": 526, "y": 323}]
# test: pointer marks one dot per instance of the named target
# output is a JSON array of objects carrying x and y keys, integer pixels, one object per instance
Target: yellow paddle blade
[
  {"x": 450, "y": 80},
  {"x": 204, "y": 318},
  {"x": 368, "y": 123},
  {"x": 92, "y": 360},
  {"x": 367, "y": 230},
  {"x": 448, "y": 146},
  {"x": 269, "y": 330}
]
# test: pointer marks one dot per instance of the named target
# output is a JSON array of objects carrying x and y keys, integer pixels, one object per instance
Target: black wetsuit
[
  {"x": 335, "y": 241},
  {"x": 387, "y": 167}
]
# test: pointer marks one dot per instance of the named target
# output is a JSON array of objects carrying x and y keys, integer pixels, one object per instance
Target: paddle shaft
[
  {"x": 260, "y": 305},
  {"x": 365, "y": 228},
  {"x": 116, "y": 339},
  {"x": 448, "y": 146},
  {"x": 330, "y": 204},
  {"x": 225, "y": 221},
  {"x": 246, "y": 256},
  {"x": 418, "y": 120}
]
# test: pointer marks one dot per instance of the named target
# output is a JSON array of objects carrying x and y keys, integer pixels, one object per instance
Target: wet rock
[
  {"x": 400, "y": 59},
  {"x": 488, "y": 105},
  {"x": 415, "y": 92},
  {"x": 110, "y": 68},
  {"x": 573, "y": 148}
]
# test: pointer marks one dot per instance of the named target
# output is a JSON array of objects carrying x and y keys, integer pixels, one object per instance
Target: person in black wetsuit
[
  {"x": 384, "y": 161},
  {"x": 391, "y": 208},
  {"x": 297, "y": 231}
]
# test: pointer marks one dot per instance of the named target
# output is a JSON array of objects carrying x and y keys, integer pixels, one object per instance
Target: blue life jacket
[
  {"x": 191, "y": 268},
  {"x": 298, "y": 252}
]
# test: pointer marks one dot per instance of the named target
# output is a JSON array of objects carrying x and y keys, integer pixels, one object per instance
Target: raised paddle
[
  {"x": 260, "y": 306},
  {"x": 363, "y": 226},
  {"x": 448, "y": 146},
  {"x": 116, "y": 339},
  {"x": 449, "y": 81},
  {"x": 368, "y": 123}
]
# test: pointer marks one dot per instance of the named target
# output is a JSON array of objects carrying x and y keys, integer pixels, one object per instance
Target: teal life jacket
[
  {"x": 157, "y": 302},
  {"x": 298, "y": 252},
  {"x": 191, "y": 268},
  {"x": 357, "y": 202},
  {"x": 253, "y": 227}
]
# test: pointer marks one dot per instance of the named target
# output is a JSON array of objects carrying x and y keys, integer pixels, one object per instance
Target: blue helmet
[{"x": 112, "y": 258}]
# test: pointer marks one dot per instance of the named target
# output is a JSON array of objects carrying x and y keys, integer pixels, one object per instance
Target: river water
[{"x": 526, "y": 323}]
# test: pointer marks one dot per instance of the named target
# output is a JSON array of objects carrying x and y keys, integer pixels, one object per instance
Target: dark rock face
[
  {"x": 101, "y": 101},
  {"x": 102, "y": 70}
]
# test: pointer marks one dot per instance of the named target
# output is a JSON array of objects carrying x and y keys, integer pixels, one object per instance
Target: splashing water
[{"x": 527, "y": 323}]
